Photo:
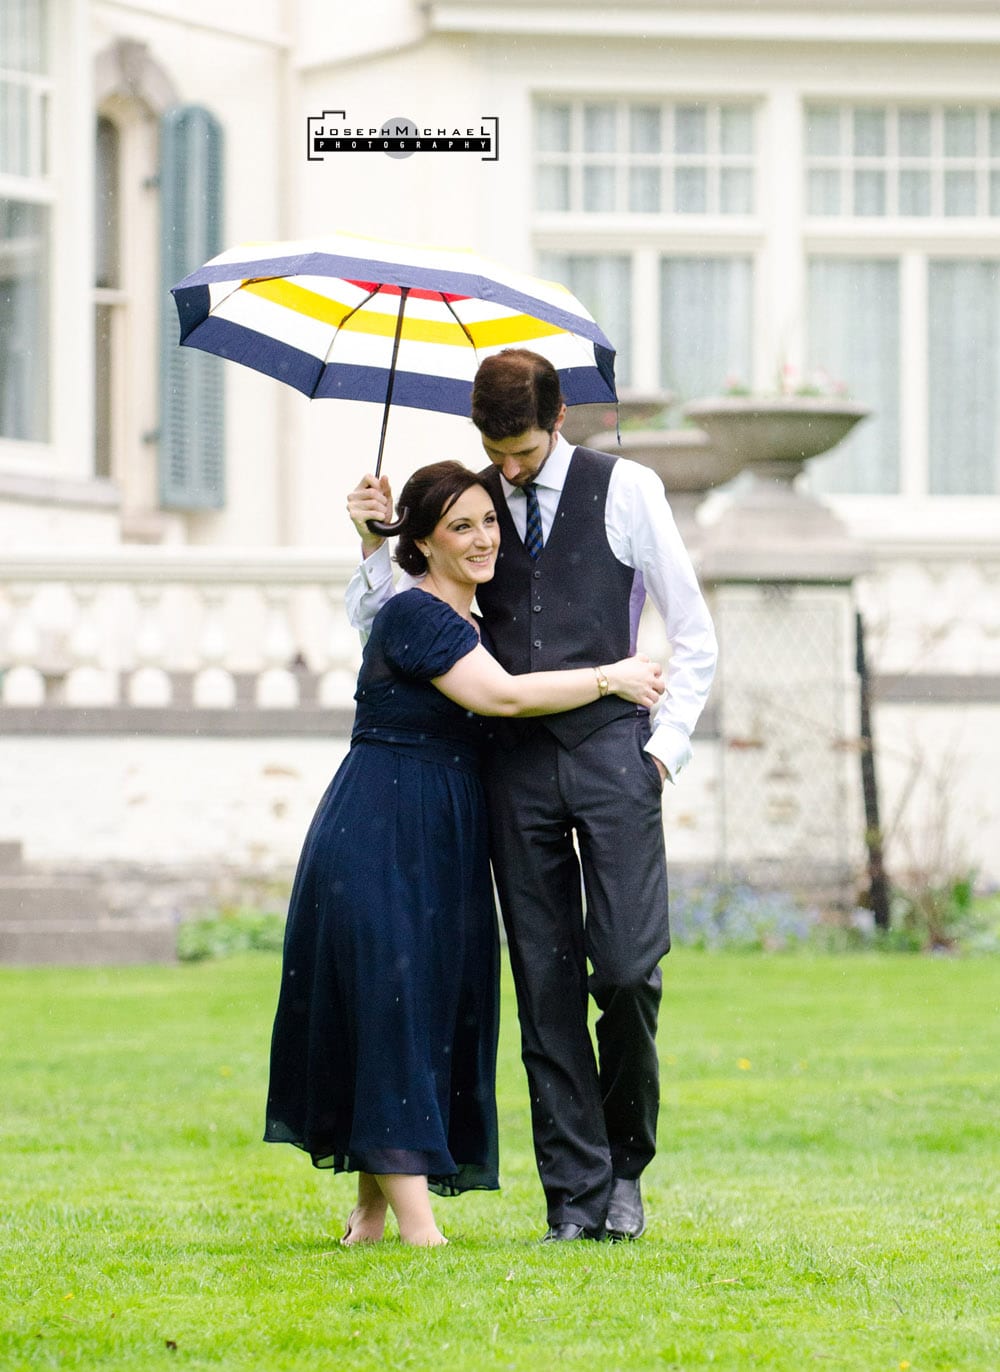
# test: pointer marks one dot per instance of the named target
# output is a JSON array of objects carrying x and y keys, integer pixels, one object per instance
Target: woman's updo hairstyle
[{"x": 430, "y": 493}]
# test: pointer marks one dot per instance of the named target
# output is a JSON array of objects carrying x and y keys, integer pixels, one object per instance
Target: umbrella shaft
[{"x": 404, "y": 291}]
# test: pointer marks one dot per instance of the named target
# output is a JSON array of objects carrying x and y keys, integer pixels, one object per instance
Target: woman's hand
[
  {"x": 370, "y": 499},
  {"x": 636, "y": 679}
]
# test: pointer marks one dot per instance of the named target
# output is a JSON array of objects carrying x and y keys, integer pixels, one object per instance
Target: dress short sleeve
[{"x": 422, "y": 637}]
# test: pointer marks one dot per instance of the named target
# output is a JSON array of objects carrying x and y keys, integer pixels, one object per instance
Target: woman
[{"x": 384, "y": 1045}]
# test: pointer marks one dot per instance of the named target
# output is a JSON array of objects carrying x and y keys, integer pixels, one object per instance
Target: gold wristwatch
[{"x": 602, "y": 682}]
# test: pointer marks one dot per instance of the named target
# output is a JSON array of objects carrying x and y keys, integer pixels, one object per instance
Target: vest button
[
  {"x": 537, "y": 643},
  {"x": 537, "y": 609},
  {"x": 537, "y": 575}
]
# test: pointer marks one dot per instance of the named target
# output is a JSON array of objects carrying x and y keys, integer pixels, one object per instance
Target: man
[{"x": 584, "y": 536}]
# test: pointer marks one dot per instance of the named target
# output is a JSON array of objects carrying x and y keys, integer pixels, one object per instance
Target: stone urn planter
[
  {"x": 584, "y": 422},
  {"x": 686, "y": 460},
  {"x": 775, "y": 435},
  {"x": 772, "y": 530}
]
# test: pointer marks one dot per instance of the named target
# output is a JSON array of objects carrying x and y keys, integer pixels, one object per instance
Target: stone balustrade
[
  {"x": 208, "y": 628},
  {"x": 180, "y": 709},
  {"x": 175, "y": 627}
]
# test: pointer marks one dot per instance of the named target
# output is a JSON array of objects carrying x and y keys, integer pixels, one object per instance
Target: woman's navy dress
[{"x": 383, "y": 1054}]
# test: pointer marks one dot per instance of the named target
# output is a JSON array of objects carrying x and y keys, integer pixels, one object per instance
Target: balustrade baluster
[
  {"x": 277, "y": 686},
  {"x": 214, "y": 687},
  {"x": 87, "y": 682},
  {"x": 989, "y": 599},
  {"x": 336, "y": 686},
  {"x": 22, "y": 683},
  {"x": 149, "y": 684}
]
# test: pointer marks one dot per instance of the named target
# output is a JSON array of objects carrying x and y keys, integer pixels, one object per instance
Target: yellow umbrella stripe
[
  {"x": 515, "y": 328},
  {"x": 489, "y": 333}
]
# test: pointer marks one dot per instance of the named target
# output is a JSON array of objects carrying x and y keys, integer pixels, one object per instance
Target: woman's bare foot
[
  {"x": 410, "y": 1202},
  {"x": 366, "y": 1222},
  {"x": 363, "y": 1227},
  {"x": 424, "y": 1238}
]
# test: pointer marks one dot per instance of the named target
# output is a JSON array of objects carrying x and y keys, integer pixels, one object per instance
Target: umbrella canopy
[{"x": 324, "y": 315}]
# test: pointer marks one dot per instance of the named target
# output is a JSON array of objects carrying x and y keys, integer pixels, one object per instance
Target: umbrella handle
[{"x": 388, "y": 530}]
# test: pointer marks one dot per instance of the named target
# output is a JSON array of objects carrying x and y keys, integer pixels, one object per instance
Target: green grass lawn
[{"x": 825, "y": 1196}]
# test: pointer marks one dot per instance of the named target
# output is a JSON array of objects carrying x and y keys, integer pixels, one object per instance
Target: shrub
[
  {"x": 733, "y": 914},
  {"x": 942, "y": 917},
  {"x": 240, "y": 929}
]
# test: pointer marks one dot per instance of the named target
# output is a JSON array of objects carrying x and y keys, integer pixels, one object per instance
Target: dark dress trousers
[{"x": 581, "y": 775}]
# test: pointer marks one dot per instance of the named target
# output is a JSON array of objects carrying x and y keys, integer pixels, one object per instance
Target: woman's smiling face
[{"x": 463, "y": 546}]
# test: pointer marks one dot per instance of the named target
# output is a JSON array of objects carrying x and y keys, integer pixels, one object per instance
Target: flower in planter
[
  {"x": 816, "y": 383},
  {"x": 791, "y": 382}
]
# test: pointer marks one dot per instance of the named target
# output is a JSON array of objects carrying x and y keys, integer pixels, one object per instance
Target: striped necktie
[{"x": 533, "y": 525}]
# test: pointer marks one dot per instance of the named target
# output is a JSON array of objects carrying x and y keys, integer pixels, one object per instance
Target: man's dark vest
[{"x": 570, "y": 606}]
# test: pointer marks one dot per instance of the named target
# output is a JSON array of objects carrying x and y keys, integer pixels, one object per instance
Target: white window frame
[
  {"x": 66, "y": 189},
  {"x": 33, "y": 183},
  {"x": 648, "y": 237},
  {"x": 780, "y": 238},
  {"x": 913, "y": 241},
  {"x": 982, "y": 163},
  {"x": 666, "y": 161},
  {"x": 134, "y": 306}
]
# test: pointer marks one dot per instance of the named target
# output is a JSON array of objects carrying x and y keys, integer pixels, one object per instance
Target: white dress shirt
[{"x": 642, "y": 534}]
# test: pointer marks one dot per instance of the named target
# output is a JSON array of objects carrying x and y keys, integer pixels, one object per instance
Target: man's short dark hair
[{"x": 514, "y": 391}]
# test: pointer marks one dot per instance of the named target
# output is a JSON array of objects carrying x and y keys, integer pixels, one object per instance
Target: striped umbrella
[{"x": 356, "y": 318}]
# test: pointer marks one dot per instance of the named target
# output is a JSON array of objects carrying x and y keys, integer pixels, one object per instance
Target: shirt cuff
[
  {"x": 376, "y": 569},
  {"x": 672, "y": 747}
]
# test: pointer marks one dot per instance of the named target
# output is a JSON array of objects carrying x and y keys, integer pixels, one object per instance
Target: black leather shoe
[
  {"x": 564, "y": 1233},
  {"x": 626, "y": 1217}
]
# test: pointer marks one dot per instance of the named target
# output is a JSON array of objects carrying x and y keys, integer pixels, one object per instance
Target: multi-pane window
[
  {"x": 686, "y": 308},
  {"x": 963, "y": 340},
  {"x": 854, "y": 336},
  {"x": 25, "y": 96},
  {"x": 644, "y": 157},
  {"x": 705, "y": 323},
  {"x": 900, "y": 293},
  {"x": 604, "y": 284},
  {"x": 943, "y": 372},
  {"x": 919, "y": 161},
  {"x": 705, "y": 314},
  {"x": 912, "y": 331}
]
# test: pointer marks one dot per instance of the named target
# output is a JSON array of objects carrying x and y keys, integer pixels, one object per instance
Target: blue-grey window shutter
[{"x": 192, "y": 428}]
